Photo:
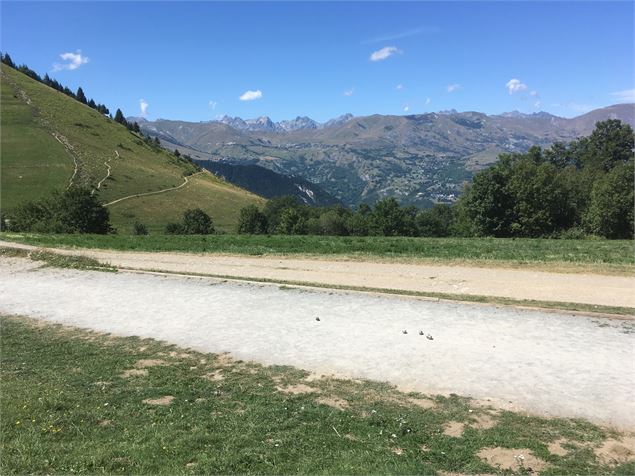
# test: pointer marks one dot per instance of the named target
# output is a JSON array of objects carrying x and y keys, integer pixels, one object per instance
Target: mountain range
[{"x": 419, "y": 159}]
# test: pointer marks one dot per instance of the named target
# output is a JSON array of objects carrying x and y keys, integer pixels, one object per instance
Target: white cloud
[
  {"x": 453, "y": 87},
  {"x": 428, "y": 101},
  {"x": 515, "y": 85},
  {"x": 73, "y": 61},
  {"x": 403, "y": 34},
  {"x": 349, "y": 92},
  {"x": 144, "y": 107},
  {"x": 212, "y": 104},
  {"x": 534, "y": 93},
  {"x": 406, "y": 108},
  {"x": 251, "y": 95},
  {"x": 628, "y": 95},
  {"x": 384, "y": 53},
  {"x": 537, "y": 104},
  {"x": 399, "y": 87}
]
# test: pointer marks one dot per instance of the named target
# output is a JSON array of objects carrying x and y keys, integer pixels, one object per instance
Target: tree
[
  {"x": 488, "y": 203},
  {"x": 177, "y": 153},
  {"x": 436, "y": 221},
  {"x": 157, "y": 141},
  {"x": 252, "y": 221},
  {"x": 610, "y": 212},
  {"x": 610, "y": 144},
  {"x": 6, "y": 59},
  {"x": 333, "y": 223},
  {"x": 81, "y": 97},
  {"x": 292, "y": 222},
  {"x": 119, "y": 117},
  {"x": 273, "y": 210},
  {"x": 135, "y": 127},
  {"x": 390, "y": 219},
  {"x": 197, "y": 222},
  {"x": 76, "y": 210}
]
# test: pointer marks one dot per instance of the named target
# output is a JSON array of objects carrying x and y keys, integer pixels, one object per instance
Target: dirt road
[
  {"x": 553, "y": 364},
  {"x": 499, "y": 282}
]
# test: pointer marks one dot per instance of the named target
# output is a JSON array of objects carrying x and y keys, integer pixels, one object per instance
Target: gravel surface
[
  {"x": 500, "y": 282},
  {"x": 546, "y": 363}
]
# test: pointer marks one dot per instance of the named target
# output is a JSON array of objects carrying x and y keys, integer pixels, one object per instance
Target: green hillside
[{"x": 49, "y": 140}]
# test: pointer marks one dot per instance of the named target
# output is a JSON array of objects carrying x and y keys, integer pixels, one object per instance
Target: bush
[
  {"x": 76, "y": 210},
  {"x": 174, "y": 229},
  {"x": 197, "y": 222},
  {"x": 139, "y": 229}
]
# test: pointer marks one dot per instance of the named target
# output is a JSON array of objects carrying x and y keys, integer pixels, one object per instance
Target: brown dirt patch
[
  {"x": 333, "y": 402},
  {"x": 397, "y": 451},
  {"x": 224, "y": 360},
  {"x": 180, "y": 355},
  {"x": 163, "y": 401},
  {"x": 512, "y": 459},
  {"x": 556, "y": 448},
  {"x": 454, "y": 429},
  {"x": 104, "y": 422},
  {"x": 134, "y": 373},
  {"x": 215, "y": 376},
  {"x": 483, "y": 422},
  {"x": 297, "y": 389},
  {"x": 614, "y": 451},
  {"x": 200, "y": 400},
  {"x": 424, "y": 448},
  {"x": 424, "y": 403},
  {"x": 145, "y": 363}
]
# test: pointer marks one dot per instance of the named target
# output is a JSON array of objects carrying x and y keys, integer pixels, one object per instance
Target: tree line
[{"x": 567, "y": 190}]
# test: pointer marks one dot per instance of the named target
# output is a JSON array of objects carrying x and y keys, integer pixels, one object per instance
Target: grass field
[
  {"x": 79, "y": 402},
  {"x": 599, "y": 255},
  {"x": 34, "y": 163}
]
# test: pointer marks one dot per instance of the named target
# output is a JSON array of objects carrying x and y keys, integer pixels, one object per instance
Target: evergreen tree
[
  {"x": 6, "y": 59},
  {"x": 177, "y": 153},
  {"x": 120, "y": 118},
  {"x": 81, "y": 97}
]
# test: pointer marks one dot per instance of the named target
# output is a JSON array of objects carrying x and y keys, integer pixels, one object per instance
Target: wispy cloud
[
  {"x": 628, "y": 95},
  {"x": 384, "y": 53},
  {"x": 143, "y": 105},
  {"x": 349, "y": 92},
  {"x": 406, "y": 108},
  {"x": 537, "y": 104},
  {"x": 251, "y": 95},
  {"x": 453, "y": 87},
  {"x": 428, "y": 101},
  {"x": 402, "y": 34},
  {"x": 515, "y": 85},
  {"x": 212, "y": 104},
  {"x": 399, "y": 87},
  {"x": 73, "y": 61}
]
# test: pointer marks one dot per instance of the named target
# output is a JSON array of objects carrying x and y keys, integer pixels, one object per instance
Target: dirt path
[
  {"x": 500, "y": 282},
  {"x": 153, "y": 193},
  {"x": 107, "y": 164},
  {"x": 551, "y": 364}
]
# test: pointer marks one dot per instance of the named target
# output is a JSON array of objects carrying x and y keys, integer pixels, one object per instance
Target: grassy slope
[
  {"x": 68, "y": 407},
  {"x": 30, "y": 150}
]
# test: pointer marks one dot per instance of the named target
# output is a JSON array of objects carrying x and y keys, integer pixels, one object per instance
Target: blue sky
[{"x": 194, "y": 61}]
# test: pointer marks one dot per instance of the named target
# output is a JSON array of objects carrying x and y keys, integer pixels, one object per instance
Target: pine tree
[
  {"x": 6, "y": 59},
  {"x": 177, "y": 153},
  {"x": 119, "y": 117},
  {"x": 81, "y": 97},
  {"x": 157, "y": 141}
]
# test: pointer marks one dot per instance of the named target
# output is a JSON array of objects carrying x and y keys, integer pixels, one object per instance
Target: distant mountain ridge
[
  {"x": 418, "y": 159},
  {"x": 265, "y": 124}
]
